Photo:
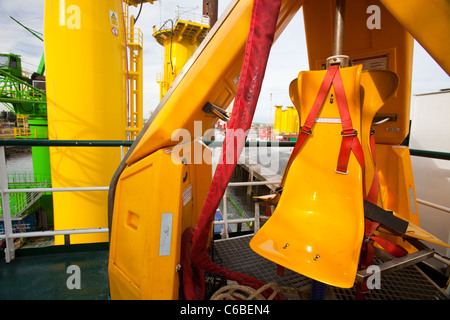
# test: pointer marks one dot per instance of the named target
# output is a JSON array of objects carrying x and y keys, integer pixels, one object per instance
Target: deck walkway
[{"x": 41, "y": 273}]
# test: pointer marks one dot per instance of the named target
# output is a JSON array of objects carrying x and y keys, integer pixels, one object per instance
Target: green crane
[{"x": 27, "y": 96}]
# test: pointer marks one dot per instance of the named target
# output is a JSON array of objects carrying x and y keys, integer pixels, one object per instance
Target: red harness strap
[
  {"x": 350, "y": 142},
  {"x": 306, "y": 129}
]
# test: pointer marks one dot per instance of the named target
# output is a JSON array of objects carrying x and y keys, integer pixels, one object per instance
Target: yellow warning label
[{"x": 113, "y": 18}]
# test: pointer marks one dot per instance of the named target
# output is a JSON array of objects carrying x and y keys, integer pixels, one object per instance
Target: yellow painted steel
[
  {"x": 428, "y": 22},
  {"x": 165, "y": 186},
  {"x": 86, "y": 99},
  {"x": 397, "y": 194},
  {"x": 286, "y": 121},
  {"x": 414, "y": 231},
  {"x": 278, "y": 115},
  {"x": 180, "y": 43},
  {"x": 295, "y": 122},
  {"x": 138, "y": 2},
  {"x": 211, "y": 75},
  {"x": 387, "y": 48},
  {"x": 290, "y": 119},
  {"x": 151, "y": 182},
  {"x": 318, "y": 225},
  {"x": 397, "y": 191},
  {"x": 377, "y": 88}
]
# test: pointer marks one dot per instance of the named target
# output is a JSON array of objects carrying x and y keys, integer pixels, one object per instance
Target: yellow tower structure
[
  {"x": 295, "y": 122},
  {"x": 277, "y": 122},
  {"x": 180, "y": 40},
  {"x": 286, "y": 121},
  {"x": 87, "y": 75},
  {"x": 290, "y": 119}
]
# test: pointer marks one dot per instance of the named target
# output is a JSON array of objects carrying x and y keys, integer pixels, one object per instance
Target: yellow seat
[{"x": 318, "y": 226}]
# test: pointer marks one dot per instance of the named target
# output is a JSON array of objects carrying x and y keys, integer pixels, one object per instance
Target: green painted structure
[{"x": 26, "y": 96}]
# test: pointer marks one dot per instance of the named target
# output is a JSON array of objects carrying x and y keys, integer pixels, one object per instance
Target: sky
[{"x": 288, "y": 55}]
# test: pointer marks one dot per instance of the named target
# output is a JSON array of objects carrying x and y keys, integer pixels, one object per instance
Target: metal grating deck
[{"x": 409, "y": 283}]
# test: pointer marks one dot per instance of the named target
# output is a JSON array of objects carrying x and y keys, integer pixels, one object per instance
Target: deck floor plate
[
  {"x": 44, "y": 276},
  {"x": 405, "y": 284}
]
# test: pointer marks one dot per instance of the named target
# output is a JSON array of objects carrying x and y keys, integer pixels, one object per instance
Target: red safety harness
[{"x": 350, "y": 141}]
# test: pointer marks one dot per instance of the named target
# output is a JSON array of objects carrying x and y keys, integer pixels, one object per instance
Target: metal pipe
[
  {"x": 430, "y": 154},
  {"x": 56, "y": 189},
  {"x": 232, "y": 221},
  {"x": 252, "y": 183},
  {"x": 54, "y": 233},
  {"x": 433, "y": 205},
  {"x": 225, "y": 216},
  {"x": 9, "y": 251},
  {"x": 65, "y": 143},
  {"x": 441, "y": 259},
  {"x": 338, "y": 47}
]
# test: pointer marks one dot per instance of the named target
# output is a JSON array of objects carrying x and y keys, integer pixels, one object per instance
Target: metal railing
[
  {"x": 9, "y": 235},
  {"x": 187, "y": 14},
  {"x": 256, "y": 220},
  {"x": 5, "y": 191},
  {"x": 24, "y": 202}
]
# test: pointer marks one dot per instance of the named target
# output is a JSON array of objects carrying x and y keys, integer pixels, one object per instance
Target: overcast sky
[{"x": 288, "y": 55}]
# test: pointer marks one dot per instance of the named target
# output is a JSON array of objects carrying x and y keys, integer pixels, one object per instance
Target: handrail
[
  {"x": 128, "y": 143},
  {"x": 259, "y": 143},
  {"x": 65, "y": 143},
  {"x": 433, "y": 205},
  {"x": 5, "y": 191},
  {"x": 430, "y": 154},
  {"x": 256, "y": 219}
]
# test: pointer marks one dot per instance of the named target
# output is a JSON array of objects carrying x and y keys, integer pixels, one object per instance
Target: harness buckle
[
  {"x": 341, "y": 172},
  {"x": 306, "y": 132},
  {"x": 353, "y": 134}
]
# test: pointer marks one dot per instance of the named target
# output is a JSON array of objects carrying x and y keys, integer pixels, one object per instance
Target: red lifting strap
[{"x": 259, "y": 42}]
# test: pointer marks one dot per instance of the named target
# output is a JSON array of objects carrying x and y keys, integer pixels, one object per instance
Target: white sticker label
[
  {"x": 113, "y": 18},
  {"x": 165, "y": 238},
  {"x": 328, "y": 120},
  {"x": 392, "y": 129},
  {"x": 187, "y": 195},
  {"x": 412, "y": 202},
  {"x": 379, "y": 62}
]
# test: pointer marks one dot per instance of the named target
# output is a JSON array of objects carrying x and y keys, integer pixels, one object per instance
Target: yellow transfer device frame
[
  {"x": 210, "y": 76},
  {"x": 317, "y": 230}
]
